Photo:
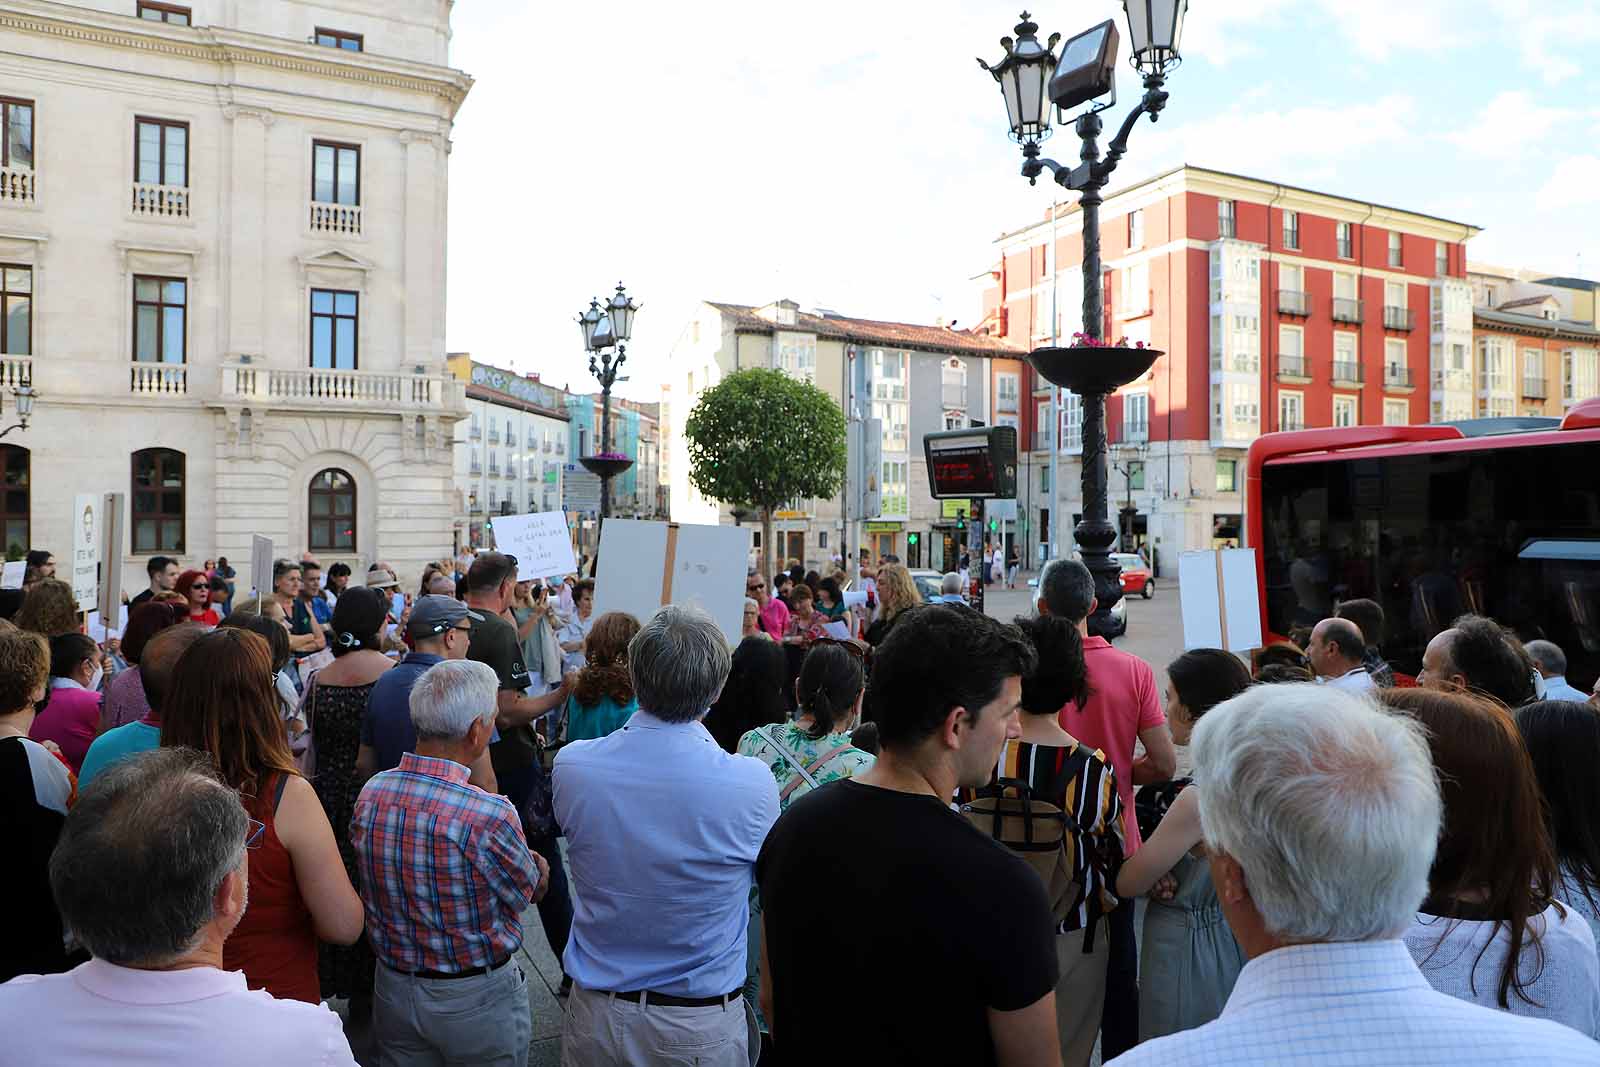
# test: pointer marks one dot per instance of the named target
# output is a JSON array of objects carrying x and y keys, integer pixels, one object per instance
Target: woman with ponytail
[
  {"x": 815, "y": 747},
  {"x": 603, "y": 701},
  {"x": 335, "y": 701}
]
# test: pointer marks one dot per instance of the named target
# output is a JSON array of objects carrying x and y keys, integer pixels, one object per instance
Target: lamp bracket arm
[{"x": 1154, "y": 99}]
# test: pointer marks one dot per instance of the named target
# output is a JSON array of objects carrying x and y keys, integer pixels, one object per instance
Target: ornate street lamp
[
  {"x": 1093, "y": 370},
  {"x": 25, "y": 397},
  {"x": 606, "y": 329}
]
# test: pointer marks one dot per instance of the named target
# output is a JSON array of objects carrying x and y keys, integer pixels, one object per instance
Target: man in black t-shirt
[
  {"x": 953, "y": 932},
  {"x": 163, "y": 572}
]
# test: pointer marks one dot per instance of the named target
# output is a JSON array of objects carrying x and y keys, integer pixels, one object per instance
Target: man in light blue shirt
[
  {"x": 1551, "y": 663},
  {"x": 1321, "y": 814},
  {"x": 664, "y": 828}
]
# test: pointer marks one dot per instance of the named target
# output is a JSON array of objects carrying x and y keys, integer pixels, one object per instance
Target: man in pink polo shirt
[{"x": 1123, "y": 705}]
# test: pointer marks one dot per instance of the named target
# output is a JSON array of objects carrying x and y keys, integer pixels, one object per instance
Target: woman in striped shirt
[{"x": 1062, "y": 771}]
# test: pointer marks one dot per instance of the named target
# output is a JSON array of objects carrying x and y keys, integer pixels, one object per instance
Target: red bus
[{"x": 1498, "y": 517}]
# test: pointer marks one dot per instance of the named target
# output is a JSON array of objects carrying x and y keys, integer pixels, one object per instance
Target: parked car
[
  {"x": 1136, "y": 577},
  {"x": 927, "y": 583}
]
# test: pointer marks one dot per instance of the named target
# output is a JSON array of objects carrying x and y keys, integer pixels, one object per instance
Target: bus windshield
[{"x": 1504, "y": 530}]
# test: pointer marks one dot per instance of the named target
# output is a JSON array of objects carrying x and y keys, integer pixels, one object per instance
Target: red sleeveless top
[{"x": 275, "y": 944}]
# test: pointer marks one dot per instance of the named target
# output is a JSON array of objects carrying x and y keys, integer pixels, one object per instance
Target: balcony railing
[
  {"x": 1296, "y": 423},
  {"x": 1294, "y": 302},
  {"x": 1136, "y": 431},
  {"x": 18, "y": 185},
  {"x": 319, "y": 388},
  {"x": 1293, "y": 367},
  {"x": 476, "y": 433},
  {"x": 954, "y": 396},
  {"x": 534, "y": 476},
  {"x": 1041, "y": 440},
  {"x": 161, "y": 201},
  {"x": 1396, "y": 377},
  {"x": 336, "y": 218},
  {"x": 15, "y": 371},
  {"x": 475, "y": 468},
  {"x": 494, "y": 437},
  {"x": 1398, "y": 318},
  {"x": 158, "y": 379},
  {"x": 1346, "y": 310},
  {"x": 1005, "y": 403},
  {"x": 1345, "y": 371},
  {"x": 1533, "y": 388}
]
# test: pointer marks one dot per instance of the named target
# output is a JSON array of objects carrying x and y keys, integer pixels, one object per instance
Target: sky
[{"x": 853, "y": 156}]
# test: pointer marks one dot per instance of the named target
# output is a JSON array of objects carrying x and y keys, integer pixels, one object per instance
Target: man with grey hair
[
  {"x": 445, "y": 877},
  {"x": 1551, "y": 663},
  {"x": 1320, "y": 814},
  {"x": 664, "y": 828},
  {"x": 951, "y": 590},
  {"x": 150, "y": 874}
]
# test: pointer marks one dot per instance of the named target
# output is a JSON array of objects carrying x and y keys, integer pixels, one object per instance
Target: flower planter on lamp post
[{"x": 604, "y": 329}]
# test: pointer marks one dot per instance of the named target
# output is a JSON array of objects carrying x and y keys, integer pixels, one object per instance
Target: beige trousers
[
  {"x": 1080, "y": 994},
  {"x": 601, "y": 1031}
]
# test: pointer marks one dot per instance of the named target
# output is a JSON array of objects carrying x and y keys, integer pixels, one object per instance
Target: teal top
[
  {"x": 588, "y": 723},
  {"x": 116, "y": 745}
]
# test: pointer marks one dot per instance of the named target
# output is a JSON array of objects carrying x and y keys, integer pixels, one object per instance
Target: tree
[{"x": 762, "y": 438}]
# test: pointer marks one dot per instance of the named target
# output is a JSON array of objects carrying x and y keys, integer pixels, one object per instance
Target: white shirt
[
  {"x": 1557, "y": 688},
  {"x": 1355, "y": 680},
  {"x": 99, "y": 1013},
  {"x": 1360, "y": 1002},
  {"x": 1458, "y": 957}
]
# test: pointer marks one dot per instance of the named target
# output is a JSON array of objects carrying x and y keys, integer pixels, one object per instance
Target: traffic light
[{"x": 961, "y": 519}]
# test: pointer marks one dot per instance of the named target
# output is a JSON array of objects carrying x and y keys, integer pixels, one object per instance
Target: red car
[{"x": 1136, "y": 577}]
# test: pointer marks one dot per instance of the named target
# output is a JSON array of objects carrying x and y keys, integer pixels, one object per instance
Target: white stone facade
[{"x": 251, "y": 228}]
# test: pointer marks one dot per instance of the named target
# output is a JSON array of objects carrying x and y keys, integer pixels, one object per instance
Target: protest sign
[
  {"x": 644, "y": 565},
  {"x": 261, "y": 565},
  {"x": 1220, "y": 599},
  {"x": 540, "y": 541}
]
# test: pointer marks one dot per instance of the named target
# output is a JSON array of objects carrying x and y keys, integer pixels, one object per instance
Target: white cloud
[
  {"x": 1575, "y": 182},
  {"x": 1509, "y": 124}
]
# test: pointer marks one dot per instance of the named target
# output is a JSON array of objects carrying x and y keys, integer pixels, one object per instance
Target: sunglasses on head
[{"x": 852, "y": 647}]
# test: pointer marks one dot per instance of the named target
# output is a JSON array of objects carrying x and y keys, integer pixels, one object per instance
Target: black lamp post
[
  {"x": 606, "y": 331},
  {"x": 25, "y": 398},
  {"x": 1083, "y": 73}
]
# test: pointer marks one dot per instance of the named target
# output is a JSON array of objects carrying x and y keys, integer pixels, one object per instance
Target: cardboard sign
[
  {"x": 85, "y": 550},
  {"x": 14, "y": 574},
  {"x": 541, "y": 543},
  {"x": 644, "y": 565},
  {"x": 261, "y": 565},
  {"x": 112, "y": 518},
  {"x": 1221, "y": 605}
]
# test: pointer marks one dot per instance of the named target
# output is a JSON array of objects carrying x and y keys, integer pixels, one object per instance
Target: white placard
[
  {"x": 541, "y": 542},
  {"x": 707, "y": 570},
  {"x": 13, "y": 575},
  {"x": 261, "y": 565},
  {"x": 86, "y": 550},
  {"x": 1220, "y": 599},
  {"x": 99, "y": 632}
]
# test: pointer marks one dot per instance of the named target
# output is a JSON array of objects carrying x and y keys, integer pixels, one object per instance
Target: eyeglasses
[
  {"x": 462, "y": 629},
  {"x": 253, "y": 838}
]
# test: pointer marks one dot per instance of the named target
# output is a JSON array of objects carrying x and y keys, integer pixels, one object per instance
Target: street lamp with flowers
[
  {"x": 606, "y": 330},
  {"x": 1032, "y": 80}
]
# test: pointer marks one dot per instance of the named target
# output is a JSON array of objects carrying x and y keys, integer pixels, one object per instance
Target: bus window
[{"x": 1431, "y": 535}]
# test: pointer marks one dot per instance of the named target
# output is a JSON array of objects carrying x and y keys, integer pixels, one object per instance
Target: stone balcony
[
  {"x": 15, "y": 371},
  {"x": 160, "y": 201},
  {"x": 318, "y": 389},
  {"x": 18, "y": 186},
  {"x": 338, "y": 219}
]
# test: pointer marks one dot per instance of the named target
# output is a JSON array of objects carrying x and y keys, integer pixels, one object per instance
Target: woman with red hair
[{"x": 196, "y": 588}]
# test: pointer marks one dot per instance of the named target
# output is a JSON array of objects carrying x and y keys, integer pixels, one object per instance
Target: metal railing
[
  {"x": 1395, "y": 377},
  {"x": 1345, "y": 310},
  {"x": 1294, "y": 302},
  {"x": 1533, "y": 388},
  {"x": 1346, "y": 371},
  {"x": 1293, "y": 367},
  {"x": 1398, "y": 318}
]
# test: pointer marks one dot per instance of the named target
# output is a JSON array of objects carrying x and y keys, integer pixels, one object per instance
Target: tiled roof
[
  {"x": 1570, "y": 283},
  {"x": 874, "y": 331},
  {"x": 1533, "y": 324}
]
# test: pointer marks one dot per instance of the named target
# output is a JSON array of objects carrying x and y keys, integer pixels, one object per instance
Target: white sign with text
[
  {"x": 86, "y": 550},
  {"x": 540, "y": 541}
]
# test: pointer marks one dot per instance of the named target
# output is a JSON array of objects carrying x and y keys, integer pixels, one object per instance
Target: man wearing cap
[{"x": 440, "y": 629}]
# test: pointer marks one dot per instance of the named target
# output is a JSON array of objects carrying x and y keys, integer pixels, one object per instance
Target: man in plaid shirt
[{"x": 445, "y": 877}]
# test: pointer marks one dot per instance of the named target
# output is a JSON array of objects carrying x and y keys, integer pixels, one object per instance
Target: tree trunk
[{"x": 767, "y": 563}]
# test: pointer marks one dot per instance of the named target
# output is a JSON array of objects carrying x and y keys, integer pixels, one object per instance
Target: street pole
[{"x": 1055, "y": 394}]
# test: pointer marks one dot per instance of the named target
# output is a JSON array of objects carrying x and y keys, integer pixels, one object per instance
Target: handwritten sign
[
  {"x": 85, "y": 550},
  {"x": 540, "y": 541},
  {"x": 1221, "y": 607}
]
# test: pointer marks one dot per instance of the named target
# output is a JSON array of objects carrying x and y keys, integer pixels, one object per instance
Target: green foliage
[{"x": 763, "y": 438}]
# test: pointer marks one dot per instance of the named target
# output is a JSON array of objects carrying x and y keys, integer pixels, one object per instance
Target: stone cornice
[{"x": 221, "y": 45}]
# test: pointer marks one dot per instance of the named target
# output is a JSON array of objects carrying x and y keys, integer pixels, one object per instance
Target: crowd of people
[{"x": 233, "y": 814}]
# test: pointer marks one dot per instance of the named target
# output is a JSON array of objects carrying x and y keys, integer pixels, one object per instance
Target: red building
[{"x": 1276, "y": 308}]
